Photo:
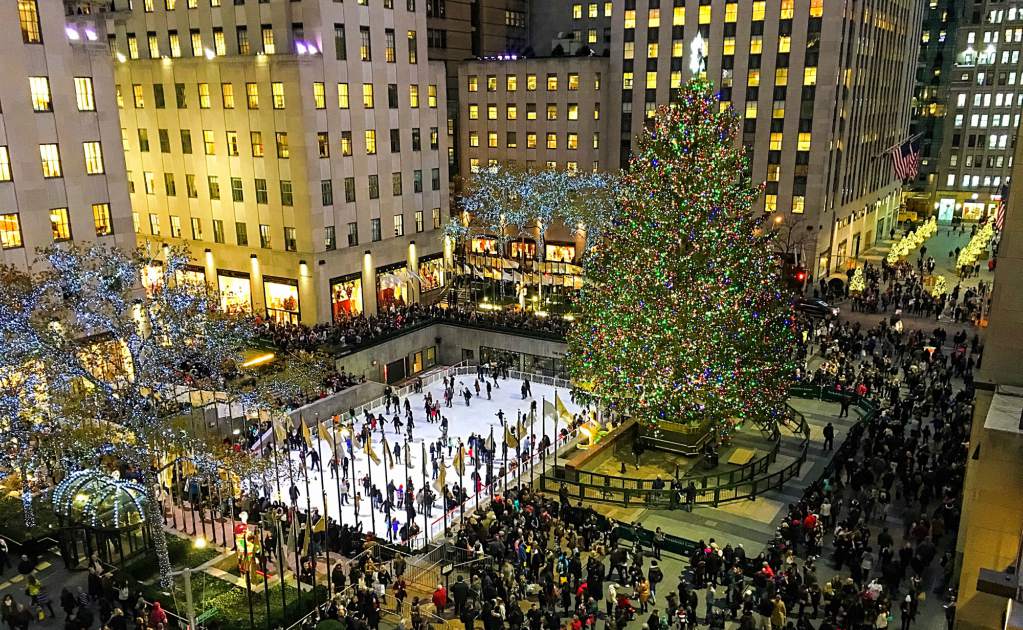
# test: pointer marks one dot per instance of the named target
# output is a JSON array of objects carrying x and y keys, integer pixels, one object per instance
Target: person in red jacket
[{"x": 440, "y": 599}]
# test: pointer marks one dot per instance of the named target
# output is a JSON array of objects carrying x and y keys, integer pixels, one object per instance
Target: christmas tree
[{"x": 683, "y": 318}]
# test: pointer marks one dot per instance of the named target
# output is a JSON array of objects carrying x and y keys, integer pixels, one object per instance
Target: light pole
[{"x": 186, "y": 575}]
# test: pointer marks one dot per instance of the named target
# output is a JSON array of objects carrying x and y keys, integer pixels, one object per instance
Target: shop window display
[
  {"x": 431, "y": 273},
  {"x": 235, "y": 291},
  {"x": 392, "y": 286},
  {"x": 346, "y": 297},
  {"x": 281, "y": 300}
]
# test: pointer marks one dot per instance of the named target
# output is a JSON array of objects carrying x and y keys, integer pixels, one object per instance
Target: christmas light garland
[{"x": 682, "y": 316}]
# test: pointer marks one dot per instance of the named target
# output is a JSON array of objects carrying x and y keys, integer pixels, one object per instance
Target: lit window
[
  {"x": 573, "y": 111},
  {"x": 593, "y": 10},
  {"x": 552, "y": 82},
  {"x": 776, "y": 141},
  {"x": 654, "y": 18},
  {"x": 629, "y": 50},
  {"x": 573, "y": 141},
  {"x": 371, "y": 142},
  {"x": 474, "y": 83},
  {"x": 269, "y": 47},
  {"x": 804, "y": 142},
  {"x": 573, "y": 81},
  {"x": 731, "y": 12},
  {"x": 252, "y": 95},
  {"x": 474, "y": 112},
  {"x": 93, "y": 158},
  {"x": 788, "y": 9},
  {"x": 342, "y": 95},
  {"x": 319, "y": 95},
  {"x": 798, "y": 204},
  {"x": 607, "y": 9},
  {"x": 531, "y": 82},
  {"x": 770, "y": 203},
  {"x": 209, "y": 142},
  {"x": 781, "y": 76},
  {"x": 431, "y": 95},
  {"x": 60, "y": 224},
  {"x": 413, "y": 96},
  {"x": 10, "y": 229},
  {"x": 511, "y": 83},
  {"x": 577, "y": 11},
  {"x": 367, "y": 95},
  {"x": 531, "y": 140},
  {"x": 84, "y": 94},
  {"x": 204, "y": 96},
  {"x": 283, "y": 150},
  {"x": 277, "y": 92},
  {"x": 784, "y": 44},
  {"x": 651, "y": 50},
  {"x": 492, "y": 139},
  {"x": 705, "y": 14},
  {"x": 552, "y": 111},
  {"x": 474, "y": 139},
  {"x": 5, "y": 165},
  {"x": 756, "y": 45},
  {"x": 678, "y": 16},
  {"x": 751, "y": 109},
  {"x": 630, "y": 18},
  {"x": 759, "y": 10},
  {"x": 676, "y": 79},
  {"x": 256, "y": 140},
  {"x": 50, "y": 155},
  {"x": 512, "y": 112},
  {"x": 28, "y": 15},
  {"x": 41, "y": 99},
  {"x": 552, "y": 140},
  {"x": 810, "y": 76},
  {"x": 816, "y": 8},
  {"x": 651, "y": 80},
  {"x": 753, "y": 79}
]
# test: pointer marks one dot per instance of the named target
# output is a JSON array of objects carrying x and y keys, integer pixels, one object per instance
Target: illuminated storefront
[
  {"x": 152, "y": 277},
  {"x": 346, "y": 296},
  {"x": 559, "y": 252},
  {"x": 235, "y": 291},
  {"x": 192, "y": 276},
  {"x": 484, "y": 245},
  {"x": 392, "y": 286},
  {"x": 523, "y": 250},
  {"x": 432, "y": 274},
  {"x": 281, "y": 300}
]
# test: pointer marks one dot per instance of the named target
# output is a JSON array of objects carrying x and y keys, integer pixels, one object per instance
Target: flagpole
[
  {"x": 387, "y": 484},
  {"x": 369, "y": 477},
  {"x": 477, "y": 482},
  {"x": 518, "y": 451},
  {"x": 427, "y": 500},
  {"x": 293, "y": 510},
  {"x": 490, "y": 462},
  {"x": 308, "y": 514},
  {"x": 323, "y": 497},
  {"x": 337, "y": 472},
  {"x": 543, "y": 439}
]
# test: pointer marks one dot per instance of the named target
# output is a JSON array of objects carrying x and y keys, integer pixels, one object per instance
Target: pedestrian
[{"x": 829, "y": 437}]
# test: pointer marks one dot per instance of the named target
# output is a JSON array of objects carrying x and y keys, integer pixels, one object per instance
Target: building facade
[
  {"x": 824, "y": 90},
  {"x": 62, "y": 172},
  {"x": 984, "y": 102},
  {"x": 930, "y": 95},
  {"x": 534, "y": 113},
  {"x": 298, "y": 149}
]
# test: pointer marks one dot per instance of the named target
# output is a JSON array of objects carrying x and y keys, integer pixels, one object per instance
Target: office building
[
  {"x": 62, "y": 173},
  {"x": 296, "y": 147},
  {"x": 823, "y": 91},
  {"x": 984, "y": 100},
  {"x": 930, "y": 96}
]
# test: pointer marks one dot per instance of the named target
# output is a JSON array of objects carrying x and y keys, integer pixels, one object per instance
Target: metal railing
[{"x": 746, "y": 482}]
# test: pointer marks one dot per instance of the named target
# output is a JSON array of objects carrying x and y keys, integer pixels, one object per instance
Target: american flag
[
  {"x": 906, "y": 160},
  {"x": 1002, "y": 203}
]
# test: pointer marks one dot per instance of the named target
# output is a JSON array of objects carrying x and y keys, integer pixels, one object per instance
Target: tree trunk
[
  {"x": 154, "y": 515},
  {"x": 26, "y": 500}
]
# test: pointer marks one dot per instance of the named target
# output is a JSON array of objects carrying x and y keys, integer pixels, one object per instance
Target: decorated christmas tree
[{"x": 683, "y": 317}]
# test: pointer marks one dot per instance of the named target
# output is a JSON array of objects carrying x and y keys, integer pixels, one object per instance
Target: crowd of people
[
  {"x": 105, "y": 602},
  {"x": 356, "y": 330},
  {"x": 900, "y": 288}
]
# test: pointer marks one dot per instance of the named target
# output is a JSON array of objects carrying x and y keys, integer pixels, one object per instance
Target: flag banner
[
  {"x": 324, "y": 436},
  {"x": 906, "y": 160},
  {"x": 459, "y": 461},
  {"x": 1003, "y": 202},
  {"x": 388, "y": 457},
  {"x": 563, "y": 413},
  {"x": 489, "y": 444},
  {"x": 279, "y": 432},
  {"x": 306, "y": 433},
  {"x": 510, "y": 439},
  {"x": 549, "y": 410},
  {"x": 442, "y": 477},
  {"x": 320, "y": 526},
  {"x": 369, "y": 449}
]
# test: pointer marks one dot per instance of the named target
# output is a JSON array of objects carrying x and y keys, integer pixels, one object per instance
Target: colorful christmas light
[{"x": 682, "y": 317}]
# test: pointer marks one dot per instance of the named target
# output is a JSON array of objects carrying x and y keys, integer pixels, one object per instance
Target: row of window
[
  {"x": 678, "y": 14},
  {"x": 277, "y": 94},
  {"x": 592, "y": 10},
  {"x": 753, "y": 79},
  {"x": 267, "y": 42},
  {"x": 49, "y": 155},
  {"x": 10, "y": 230},
  {"x": 42, "y": 96},
  {"x": 149, "y": 6},
  {"x": 975, "y": 181},
  {"x": 999, "y": 99},
  {"x": 511, "y": 82},
  {"x": 511, "y": 111},
  {"x": 512, "y": 140},
  {"x": 287, "y": 198},
  {"x": 280, "y": 139},
  {"x": 571, "y": 166},
  {"x": 60, "y": 225}
]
